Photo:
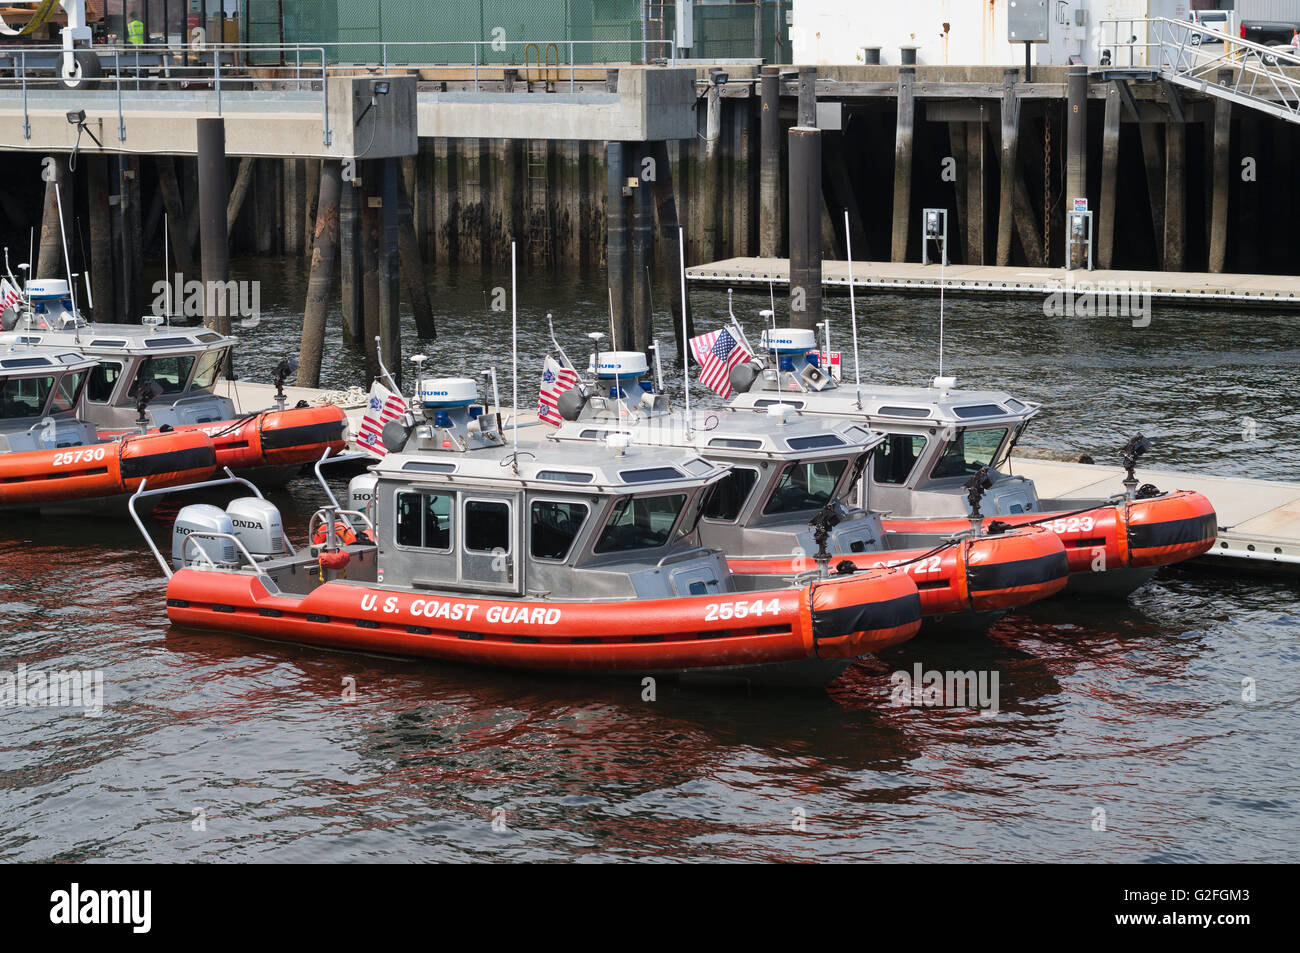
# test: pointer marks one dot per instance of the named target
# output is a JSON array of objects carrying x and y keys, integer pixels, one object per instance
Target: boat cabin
[
  {"x": 457, "y": 507},
  {"x": 41, "y": 389},
  {"x": 180, "y": 366},
  {"x": 782, "y": 469},
  {"x": 935, "y": 438}
]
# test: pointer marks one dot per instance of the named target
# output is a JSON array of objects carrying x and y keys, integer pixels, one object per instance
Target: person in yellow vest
[{"x": 135, "y": 28}]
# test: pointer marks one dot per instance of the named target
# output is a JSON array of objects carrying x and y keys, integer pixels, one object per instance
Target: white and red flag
[
  {"x": 718, "y": 352},
  {"x": 9, "y": 295},
  {"x": 556, "y": 379},
  {"x": 383, "y": 406}
]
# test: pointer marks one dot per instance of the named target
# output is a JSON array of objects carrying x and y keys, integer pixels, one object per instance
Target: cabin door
[{"x": 489, "y": 541}]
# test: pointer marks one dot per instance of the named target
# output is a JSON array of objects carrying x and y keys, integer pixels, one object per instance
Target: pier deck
[{"x": 1193, "y": 288}]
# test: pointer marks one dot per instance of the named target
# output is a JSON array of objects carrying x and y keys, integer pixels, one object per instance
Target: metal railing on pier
[
  {"x": 220, "y": 68},
  {"x": 1192, "y": 56}
]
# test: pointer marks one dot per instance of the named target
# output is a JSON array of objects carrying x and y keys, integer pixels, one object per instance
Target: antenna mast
[{"x": 853, "y": 309}]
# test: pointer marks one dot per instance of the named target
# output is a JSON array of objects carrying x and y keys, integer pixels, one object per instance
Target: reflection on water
[{"x": 1135, "y": 710}]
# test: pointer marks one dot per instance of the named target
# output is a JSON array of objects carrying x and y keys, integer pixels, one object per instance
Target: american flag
[
  {"x": 718, "y": 352},
  {"x": 556, "y": 379},
  {"x": 382, "y": 407},
  {"x": 9, "y": 295}
]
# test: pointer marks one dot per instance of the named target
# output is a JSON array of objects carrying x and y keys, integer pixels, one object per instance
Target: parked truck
[{"x": 1270, "y": 22}]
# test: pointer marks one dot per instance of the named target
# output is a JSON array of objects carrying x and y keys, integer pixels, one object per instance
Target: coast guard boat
[
  {"x": 787, "y": 495},
  {"x": 946, "y": 460},
  {"x": 179, "y": 367},
  {"x": 547, "y": 555},
  {"x": 53, "y": 460}
]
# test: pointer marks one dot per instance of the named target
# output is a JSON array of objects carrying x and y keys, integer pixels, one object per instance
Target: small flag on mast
[
  {"x": 383, "y": 406},
  {"x": 718, "y": 352},
  {"x": 9, "y": 295},
  {"x": 556, "y": 379}
]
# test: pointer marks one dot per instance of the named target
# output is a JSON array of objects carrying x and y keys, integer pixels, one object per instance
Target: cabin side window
[
  {"x": 423, "y": 521},
  {"x": 896, "y": 457},
  {"x": 103, "y": 381},
  {"x": 967, "y": 452},
  {"x": 642, "y": 522},
  {"x": 805, "y": 486},
  {"x": 553, "y": 526},
  {"x": 24, "y": 396},
  {"x": 487, "y": 526},
  {"x": 727, "y": 497}
]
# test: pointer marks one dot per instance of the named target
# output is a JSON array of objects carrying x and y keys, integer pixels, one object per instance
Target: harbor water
[{"x": 1161, "y": 728}]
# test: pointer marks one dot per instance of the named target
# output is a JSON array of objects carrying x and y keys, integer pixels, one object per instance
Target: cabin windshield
[
  {"x": 896, "y": 458},
  {"x": 726, "y": 498},
  {"x": 68, "y": 392},
  {"x": 806, "y": 486},
  {"x": 967, "y": 452},
  {"x": 103, "y": 380},
  {"x": 24, "y": 396},
  {"x": 209, "y": 369},
  {"x": 170, "y": 373},
  {"x": 641, "y": 522}
]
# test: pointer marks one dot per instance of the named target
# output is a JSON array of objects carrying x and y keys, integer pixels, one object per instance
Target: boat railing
[
  {"x": 210, "y": 565},
  {"x": 143, "y": 492},
  {"x": 330, "y": 457},
  {"x": 327, "y": 515}
]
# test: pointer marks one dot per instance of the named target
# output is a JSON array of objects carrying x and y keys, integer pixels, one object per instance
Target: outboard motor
[
  {"x": 361, "y": 496},
  {"x": 203, "y": 518},
  {"x": 257, "y": 524}
]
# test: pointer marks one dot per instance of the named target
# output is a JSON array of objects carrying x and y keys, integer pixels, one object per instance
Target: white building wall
[{"x": 954, "y": 32}]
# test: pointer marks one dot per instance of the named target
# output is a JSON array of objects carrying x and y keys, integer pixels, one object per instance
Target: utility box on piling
[{"x": 373, "y": 117}]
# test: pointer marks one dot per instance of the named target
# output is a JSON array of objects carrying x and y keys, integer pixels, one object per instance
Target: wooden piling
[
  {"x": 1008, "y": 153},
  {"x": 49, "y": 255},
  {"x": 446, "y": 198},
  {"x": 902, "y": 165},
  {"x": 1076, "y": 148},
  {"x": 1220, "y": 180},
  {"x": 311, "y": 201},
  {"x": 238, "y": 192},
  {"x": 412, "y": 267},
  {"x": 616, "y": 244},
  {"x": 212, "y": 223},
  {"x": 370, "y": 267},
  {"x": 640, "y": 319},
  {"x": 350, "y": 255},
  {"x": 390, "y": 317},
  {"x": 975, "y": 199},
  {"x": 101, "y": 237},
  {"x": 294, "y": 177},
  {"x": 133, "y": 234},
  {"x": 320, "y": 280},
  {"x": 181, "y": 257},
  {"x": 1175, "y": 196},
  {"x": 1153, "y": 160},
  {"x": 1109, "y": 207},
  {"x": 807, "y": 111},
  {"x": 769, "y": 174},
  {"x": 805, "y": 227},
  {"x": 669, "y": 237}
]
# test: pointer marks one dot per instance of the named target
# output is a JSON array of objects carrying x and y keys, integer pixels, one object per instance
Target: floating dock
[{"x": 1192, "y": 288}]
